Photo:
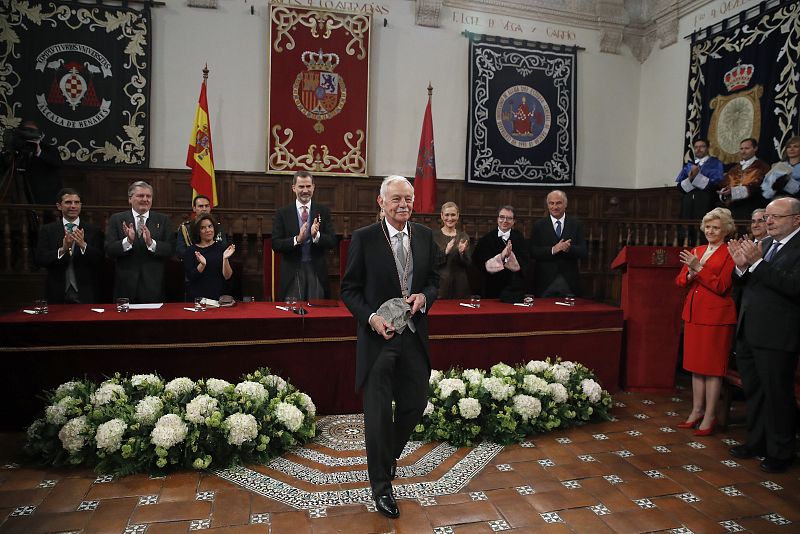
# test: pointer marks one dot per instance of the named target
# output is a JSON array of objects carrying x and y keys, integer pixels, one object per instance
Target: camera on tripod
[{"x": 18, "y": 139}]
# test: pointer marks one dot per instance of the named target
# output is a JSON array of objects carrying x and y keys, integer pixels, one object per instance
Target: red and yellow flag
[
  {"x": 201, "y": 156},
  {"x": 425, "y": 177}
]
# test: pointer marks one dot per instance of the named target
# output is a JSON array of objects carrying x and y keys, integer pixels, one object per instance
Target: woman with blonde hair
[
  {"x": 455, "y": 255},
  {"x": 783, "y": 179},
  {"x": 709, "y": 318}
]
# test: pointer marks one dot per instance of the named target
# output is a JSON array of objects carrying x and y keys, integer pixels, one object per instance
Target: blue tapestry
[{"x": 521, "y": 127}]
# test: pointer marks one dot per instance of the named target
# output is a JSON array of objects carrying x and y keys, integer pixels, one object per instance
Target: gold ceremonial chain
[{"x": 402, "y": 279}]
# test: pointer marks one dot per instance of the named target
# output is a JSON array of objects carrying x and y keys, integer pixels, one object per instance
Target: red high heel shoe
[
  {"x": 690, "y": 424},
  {"x": 707, "y": 431}
]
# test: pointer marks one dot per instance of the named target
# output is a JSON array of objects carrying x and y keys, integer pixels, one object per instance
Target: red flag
[
  {"x": 425, "y": 177},
  {"x": 201, "y": 156}
]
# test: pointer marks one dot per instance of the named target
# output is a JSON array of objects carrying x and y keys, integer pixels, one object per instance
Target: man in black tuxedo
[
  {"x": 72, "y": 252},
  {"x": 140, "y": 241},
  {"x": 557, "y": 243},
  {"x": 767, "y": 334},
  {"x": 391, "y": 259},
  {"x": 303, "y": 233},
  {"x": 502, "y": 257}
]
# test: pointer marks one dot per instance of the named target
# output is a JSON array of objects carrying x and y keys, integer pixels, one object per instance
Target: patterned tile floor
[{"x": 638, "y": 473}]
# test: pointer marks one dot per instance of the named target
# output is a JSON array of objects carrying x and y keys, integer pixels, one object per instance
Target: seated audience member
[
  {"x": 72, "y": 252},
  {"x": 709, "y": 318},
  {"x": 783, "y": 179},
  {"x": 741, "y": 187},
  {"x": 183, "y": 239},
  {"x": 454, "y": 246},
  {"x": 502, "y": 257},
  {"x": 140, "y": 242},
  {"x": 206, "y": 262},
  {"x": 557, "y": 244},
  {"x": 698, "y": 181},
  {"x": 758, "y": 225}
]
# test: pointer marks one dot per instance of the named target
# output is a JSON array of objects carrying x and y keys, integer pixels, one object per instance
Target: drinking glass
[
  {"x": 475, "y": 301},
  {"x": 291, "y": 303},
  {"x": 527, "y": 300},
  {"x": 123, "y": 305},
  {"x": 199, "y": 304},
  {"x": 248, "y": 299},
  {"x": 40, "y": 307}
]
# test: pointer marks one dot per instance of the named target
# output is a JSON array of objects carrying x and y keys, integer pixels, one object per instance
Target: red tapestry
[{"x": 318, "y": 91}]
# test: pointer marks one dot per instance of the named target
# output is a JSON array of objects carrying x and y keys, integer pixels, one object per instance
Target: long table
[{"x": 316, "y": 351}]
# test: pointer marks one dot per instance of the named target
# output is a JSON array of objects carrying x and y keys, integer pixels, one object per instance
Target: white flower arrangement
[
  {"x": 307, "y": 404},
  {"x": 66, "y": 388},
  {"x": 448, "y": 385},
  {"x": 146, "y": 380},
  {"x": 535, "y": 385},
  {"x": 148, "y": 410},
  {"x": 497, "y": 388},
  {"x": 435, "y": 377},
  {"x": 179, "y": 386},
  {"x": 217, "y": 387},
  {"x": 501, "y": 370},
  {"x": 527, "y": 407},
  {"x": 56, "y": 414},
  {"x": 72, "y": 434},
  {"x": 469, "y": 408},
  {"x": 591, "y": 389},
  {"x": 106, "y": 393},
  {"x": 253, "y": 391},
  {"x": 169, "y": 431},
  {"x": 558, "y": 392},
  {"x": 275, "y": 382},
  {"x": 109, "y": 435},
  {"x": 428, "y": 409},
  {"x": 474, "y": 376},
  {"x": 560, "y": 373},
  {"x": 200, "y": 407},
  {"x": 537, "y": 366},
  {"x": 240, "y": 427},
  {"x": 289, "y": 416}
]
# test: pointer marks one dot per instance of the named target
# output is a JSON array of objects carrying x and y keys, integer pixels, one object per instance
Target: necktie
[
  {"x": 139, "y": 224},
  {"x": 70, "y": 279},
  {"x": 304, "y": 215},
  {"x": 400, "y": 250},
  {"x": 772, "y": 251},
  {"x": 558, "y": 229},
  {"x": 70, "y": 227}
]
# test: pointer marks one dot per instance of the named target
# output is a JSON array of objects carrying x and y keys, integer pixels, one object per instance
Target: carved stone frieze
[{"x": 428, "y": 13}]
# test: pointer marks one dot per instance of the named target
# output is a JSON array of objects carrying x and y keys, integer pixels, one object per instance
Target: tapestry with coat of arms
[
  {"x": 743, "y": 82},
  {"x": 318, "y": 91},
  {"x": 521, "y": 126},
  {"x": 82, "y": 73}
]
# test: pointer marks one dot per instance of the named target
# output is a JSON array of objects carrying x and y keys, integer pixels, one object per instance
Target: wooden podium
[{"x": 651, "y": 305}]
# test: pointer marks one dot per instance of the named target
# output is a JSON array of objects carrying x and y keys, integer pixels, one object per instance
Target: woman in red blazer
[{"x": 709, "y": 316}]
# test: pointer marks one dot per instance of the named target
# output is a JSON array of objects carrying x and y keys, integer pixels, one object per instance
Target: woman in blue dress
[{"x": 207, "y": 261}]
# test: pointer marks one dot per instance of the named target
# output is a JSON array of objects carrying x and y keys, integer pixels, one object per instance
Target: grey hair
[
  {"x": 724, "y": 217},
  {"x": 392, "y": 179},
  {"x": 560, "y": 192},
  {"x": 757, "y": 210},
  {"x": 140, "y": 183}
]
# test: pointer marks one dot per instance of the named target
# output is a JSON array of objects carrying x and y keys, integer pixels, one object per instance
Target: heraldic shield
[{"x": 318, "y": 113}]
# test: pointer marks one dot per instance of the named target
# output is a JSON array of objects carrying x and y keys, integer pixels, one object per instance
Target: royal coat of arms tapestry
[
  {"x": 318, "y": 91},
  {"x": 521, "y": 126},
  {"x": 82, "y": 73},
  {"x": 743, "y": 82}
]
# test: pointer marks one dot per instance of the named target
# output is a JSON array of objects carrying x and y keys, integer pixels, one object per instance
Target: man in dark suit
[
  {"x": 502, "y": 257},
  {"x": 767, "y": 335},
  {"x": 303, "y": 233},
  {"x": 140, "y": 241},
  {"x": 72, "y": 252},
  {"x": 557, "y": 243},
  {"x": 391, "y": 259}
]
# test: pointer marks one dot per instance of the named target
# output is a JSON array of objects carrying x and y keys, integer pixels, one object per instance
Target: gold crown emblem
[
  {"x": 320, "y": 60},
  {"x": 738, "y": 77}
]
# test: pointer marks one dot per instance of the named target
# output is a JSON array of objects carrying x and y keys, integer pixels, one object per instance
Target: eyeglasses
[
  {"x": 504, "y": 218},
  {"x": 757, "y": 221},
  {"x": 775, "y": 216}
]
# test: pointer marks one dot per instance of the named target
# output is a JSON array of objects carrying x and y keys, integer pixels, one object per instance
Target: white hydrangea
[
  {"x": 558, "y": 392},
  {"x": 200, "y": 407},
  {"x": 179, "y": 386},
  {"x": 473, "y": 376},
  {"x": 66, "y": 388},
  {"x": 148, "y": 410},
  {"x": 469, "y": 408},
  {"x": 537, "y": 366},
  {"x": 275, "y": 381},
  {"x": 241, "y": 427},
  {"x": 502, "y": 369},
  {"x": 169, "y": 431},
  {"x": 307, "y": 404},
  {"x": 146, "y": 380},
  {"x": 497, "y": 388},
  {"x": 591, "y": 389},
  {"x": 449, "y": 385},
  {"x": 289, "y": 415},
  {"x": 109, "y": 435},
  {"x": 535, "y": 385},
  {"x": 106, "y": 392},
  {"x": 436, "y": 375},
  {"x": 528, "y": 407},
  {"x": 56, "y": 414},
  {"x": 428, "y": 409},
  {"x": 72, "y": 434},
  {"x": 216, "y": 387},
  {"x": 34, "y": 429},
  {"x": 252, "y": 390},
  {"x": 569, "y": 365},
  {"x": 560, "y": 373}
]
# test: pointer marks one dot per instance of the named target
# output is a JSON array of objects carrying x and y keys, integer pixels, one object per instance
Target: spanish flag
[
  {"x": 425, "y": 177},
  {"x": 201, "y": 156}
]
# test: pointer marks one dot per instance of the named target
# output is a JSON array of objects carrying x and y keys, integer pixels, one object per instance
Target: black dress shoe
[
  {"x": 393, "y": 470},
  {"x": 387, "y": 505},
  {"x": 773, "y": 465},
  {"x": 743, "y": 452}
]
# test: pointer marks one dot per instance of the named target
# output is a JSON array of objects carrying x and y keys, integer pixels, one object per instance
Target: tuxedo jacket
[
  {"x": 504, "y": 284},
  {"x": 769, "y": 311},
  {"x": 371, "y": 279},
  {"x": 285, "y": 226},
  {"x": 139, "y": 273},
  {"x": 548, "y": 266},
  {"x": 88, "y": 265},
  {"x": 708, "y": 301}
]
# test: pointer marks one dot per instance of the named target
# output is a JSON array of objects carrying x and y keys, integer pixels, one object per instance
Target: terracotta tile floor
[{"x": 636, "y": 474}]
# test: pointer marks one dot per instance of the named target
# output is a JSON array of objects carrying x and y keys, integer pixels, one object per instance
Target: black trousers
[
  {"x": 768, "y": 382},
  {"x": 400, "y": 374}
]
